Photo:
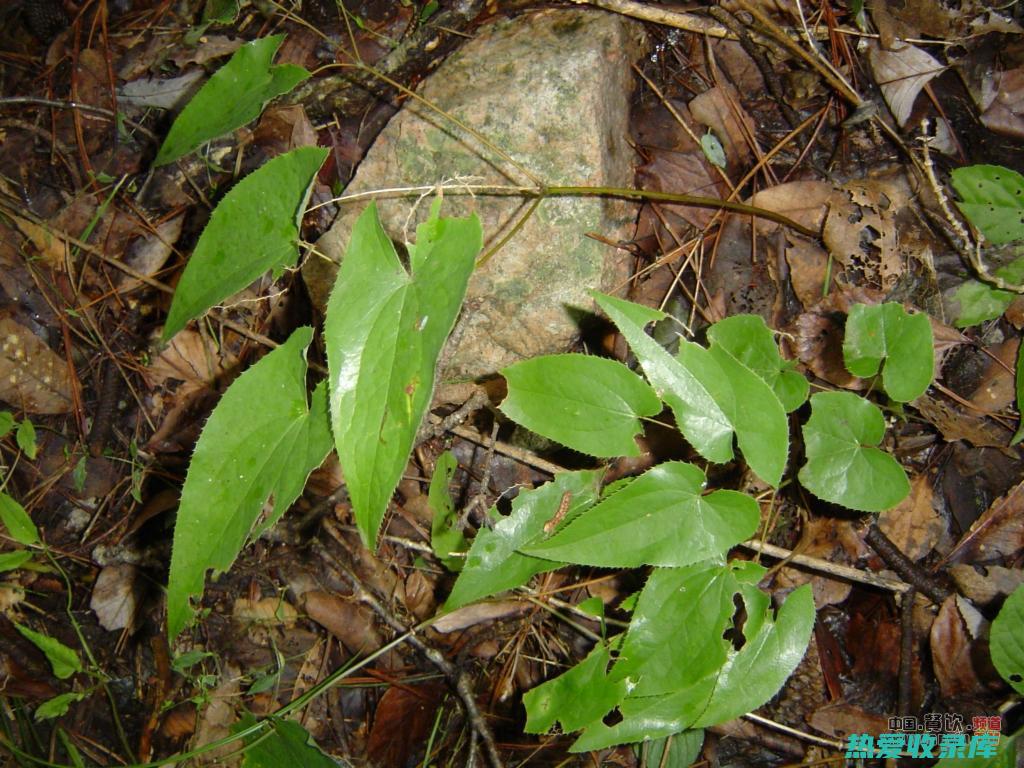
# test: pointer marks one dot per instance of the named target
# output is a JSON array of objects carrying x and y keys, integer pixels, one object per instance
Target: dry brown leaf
[
  {"x": 682, "y": 173},
  {"x": 267, "y": 610},
  {"x": 189, "y": 357},
  {"x": 901, "y": 73},
  {"x": 806, "y": 202},
  {"x": 216, "y": 720},
  {"x": 996, "y": 390},
  {"x": 479, "y": 613},
  {"x": 819, "y": 346},
  {"x": 808, "y": 270},
  {"x": 958, "y": 423},
  {"x": 720, "y": 110},
  {"x": 985, "y": 584},
  {"x": 914, "y": 526},
  {"x": 952, "y": 636},
  {"x": 32, "y": 376},
  {"x": 402, "y": 722},
  {"x": 115, "y": 596},
  {"x": 828, "y": 539},
  {"x": 148, "y": 254},
  {"x": 840, "y": 719},
  {"x": 349, "y": 621},
  {"x": 1005, "y": 112},
  {"x": 419, "y": 595},
  {"x": 999, "y": 532}
]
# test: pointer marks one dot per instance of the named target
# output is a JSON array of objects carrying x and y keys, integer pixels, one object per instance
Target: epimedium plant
[{"x": 672, "y": 671}]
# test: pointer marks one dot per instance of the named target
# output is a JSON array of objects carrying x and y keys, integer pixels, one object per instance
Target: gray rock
[{"x": 552, "y": 90}]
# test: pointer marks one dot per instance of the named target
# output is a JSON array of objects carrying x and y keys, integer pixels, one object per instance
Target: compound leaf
[
  {"x": 661, "y": 518},
  {"x": 992, "y": 198},
  {"x": 590, "y": 404},
  {"x": 904, "y": 341},
  {"x": 493, "y": 564},
  {"x": 843, "y": 465},
  {"x": 699, "y": 416},
  {"x": 234, "y": 95},
  {"x": 750, "y": 341},
  {"x": 384, "y": 332},
  {"x": 261, "y": 441},
  {"x": 1007, "y": 640},
  {"x": 253, "y": 229}
]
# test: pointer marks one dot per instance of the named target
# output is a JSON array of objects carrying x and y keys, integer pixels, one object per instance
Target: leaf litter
[{"x": 70, "y": 311}]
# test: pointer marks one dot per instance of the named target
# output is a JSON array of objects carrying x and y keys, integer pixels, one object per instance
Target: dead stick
[{"x": 904, "y": 566}]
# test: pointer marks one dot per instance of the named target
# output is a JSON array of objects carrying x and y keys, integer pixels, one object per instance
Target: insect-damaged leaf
[
  {"x": 992, "y": 198},
  {"x": 590, "y": 404},
  {"x": 493, "y": 564},
  {"x": 261, "y": 441},
  {"x": 384, "y": 332},
  {"x": 661, "y": 518},
  {"x": 253, "y": 229},
  {"x": 233, "y": 96}
]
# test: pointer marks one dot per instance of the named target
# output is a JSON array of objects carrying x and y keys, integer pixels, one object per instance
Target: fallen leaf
[
  {"x": 402, "y": 722},
  {"x": 985, "y": 584},
  {"x": 1005, "y": 113},
  {"x": 479, "y": 613},
  {"x": 951, "y": 639},
  {"x": 806, "y": 202},
  {"x": 901, "y": 74},
  {"x": 267, "y": 610},
  {"x": 958, "y": 423},
  {"x": 828, "y": 539},
  {"x": 997, "y": 389},
  {"x": 115, "y": 597},
  {"x": 999, "y": 532},
  {"x": 913, "y": 525},
  {"x": 148, "y": 254},
  {"x": 719, "y": 109},
  {"x": 32, "y": 376},
  {"x": 161, "y": 93},
  {"x": 349, "y": 621}
]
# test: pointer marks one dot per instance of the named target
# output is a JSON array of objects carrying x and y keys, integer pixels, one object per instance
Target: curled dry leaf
[
  {"x": 148, "y": 254},
  {"x": 349, "y": 621},
  {"x": 901, "y": 74},
  {"x": 32, "y": 376},
  {"x": 953, "y": 633},
  {"x": 719, "y": 109},
  {"x": 115, "y": 596},
  {"x": 478, "y": 613}
]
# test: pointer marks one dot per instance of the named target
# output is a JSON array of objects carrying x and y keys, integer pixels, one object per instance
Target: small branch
[
  {"x": 906, "y": 651},
  {"x": 824, "y": 566},
  {"x": 904, "y": 566}
]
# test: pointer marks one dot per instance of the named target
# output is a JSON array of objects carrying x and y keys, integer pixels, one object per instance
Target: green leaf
[
  {"x": 261, "y": 440},
  {"x": 287, "y": 744},
  {"x": 905, "y": 342},
  {"x": 1006, "y": 640},
  {"x": 445, "y": 535},
  {"x": 980, "y": 302},
  {"x": 661, "y": 518},
  {"x": 683, "y": 672},
  {"x": 1005, "y": 756},
  {"x": 699, "y": 417},
  {"x": 7, "y": 423},
  {"x": 992, "y": 198},
  {"x": 384, "y": 332},
  {"x": 843, "y": 465},
  {"x": 757, "y": 415},
  {"x": 253, "y": 229},
  {"x": 576, "y": 698},
  {"x": 57, "y": 706},
  {"x": 19, "y": 525},
  {"x": 679, "y": 750},
  {"x": 750, "y": 341},
  {"x": 10, "y": 561},
  {"x": 713, "y": 149},
  {"x": 234, "y": 95},
  {"x": 63, "y": 660},
  {"x": 1019, "y": 386},
  {"x": 589, "y": 404},
  {"x": 493, "y": 564},
  {"x": 26, "y": 438}
]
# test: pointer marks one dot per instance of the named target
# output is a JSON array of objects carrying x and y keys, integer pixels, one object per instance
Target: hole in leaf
[
  {"x": 613, "y": 718},
  {"x": 734, "y": 634}
]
